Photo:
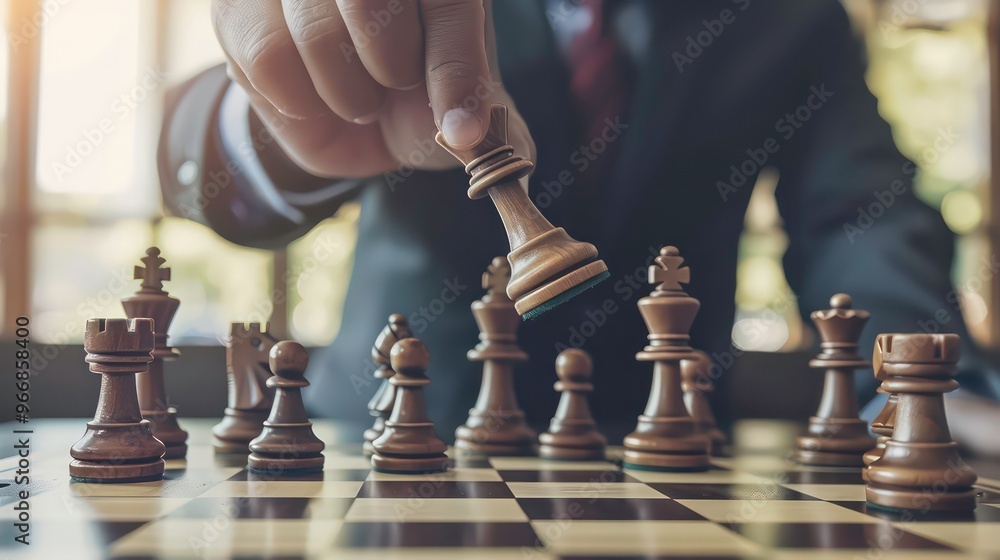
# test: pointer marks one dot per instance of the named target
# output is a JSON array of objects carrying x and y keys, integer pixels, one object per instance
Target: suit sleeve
[
  {"x": 218, "y": 165},
  {"x": 854, "y": 222}
]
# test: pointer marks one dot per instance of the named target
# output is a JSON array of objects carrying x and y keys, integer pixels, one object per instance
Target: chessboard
[{"x": 209, "y": 506}]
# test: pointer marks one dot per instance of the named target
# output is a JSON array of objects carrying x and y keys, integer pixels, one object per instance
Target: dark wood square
[
  {"x": 264, "y": 508},
  {"x": 852, "y": 476},
  {"x": 608, "y": 509},
  {"x": 394, "y": 535},
  {"x": 728, "y": 492},
  {"x": 872, "y": 536},
  {"x": 597, "y": 477},
  {"x": 433, "y": 489}
]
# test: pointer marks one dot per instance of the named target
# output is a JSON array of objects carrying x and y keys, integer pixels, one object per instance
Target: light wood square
[
  {"x": 225, "y": 537},
  {"x": 983, "y": 538},
  {"x": 624, "y": 538},
  {"x": 775, "y": 511},
  {"x": 285, "y": 489}
]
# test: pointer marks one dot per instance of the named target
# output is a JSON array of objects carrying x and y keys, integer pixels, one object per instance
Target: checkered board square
[{"x": 485, "y": 508}]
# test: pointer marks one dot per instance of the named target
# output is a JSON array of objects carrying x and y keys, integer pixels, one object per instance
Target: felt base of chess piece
[
  {"x": 498, "y": 434},
  {"x": 287, "y": 444},
  {"x": 237, "y": 429},
  {"x": 834, "y": 442}
]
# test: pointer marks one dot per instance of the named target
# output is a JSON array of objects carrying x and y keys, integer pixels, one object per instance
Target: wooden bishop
[
  {"x": 380, "y": 405},
  {"x": 836, "y": 436},
  {"x": 667, "y": 437},
  {"x": 548, "y": 267},
  {"x": 920, "y": 468},
  {"x": 118, "y": 445},
  {"x": 496, "y": 424},
  {"x": 249, "y": 398},
  {"x": 153, "y": 302}
]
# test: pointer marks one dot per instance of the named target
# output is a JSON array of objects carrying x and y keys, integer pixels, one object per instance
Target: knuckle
[
  {"x": 450, "y": 72},
  {"x": 310, "y": 22},
  {"x": 263, "y": 50}
]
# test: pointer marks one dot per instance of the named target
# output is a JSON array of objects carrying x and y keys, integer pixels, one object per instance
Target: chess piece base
[
  {"x": 410, "y": 465},
  {"x": 105, "y": 472},
  {"x": 166, "y": 429},
  {"x": 669, "y": 462},
  {"x": 560, "y": 289},
  {"x": 515, "y": 438},
  {"x": 825, "y": 459},
  {"x": 237, "y": 429},
  {"x": 904, "y": 499},
  {"x": 557, "y": 453},
  {"x": 276, "y": 466}
]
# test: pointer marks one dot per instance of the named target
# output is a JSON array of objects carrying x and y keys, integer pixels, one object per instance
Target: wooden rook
[
  {"x": 696, "y": 382},
  {"x": 496, "y": 424},
  {"x": 573, "y": 434},
  {"x": 153, "y": 302},
  {"x": 548, "y": 267},
  {"x": 836, "y": 436},
  {"x": 920, "y": 468},
  {"x": 380, "y": 405},
  {"x": 249, "y": 401},
  {"x": 287, "y": 444},
  {"x": 119, "y": 445},
  {"x": 666, "y": 437},
  {"x": 408, "y": 445}
]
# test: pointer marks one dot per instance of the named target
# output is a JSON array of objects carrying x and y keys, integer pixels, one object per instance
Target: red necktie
[{"x": 599, "y": 83}]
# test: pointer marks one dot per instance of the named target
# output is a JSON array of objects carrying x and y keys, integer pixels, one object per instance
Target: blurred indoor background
[{"x": 80, "y": 200}]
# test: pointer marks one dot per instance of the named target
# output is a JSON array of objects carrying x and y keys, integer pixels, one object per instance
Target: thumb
[{"x": 457, "y": 66}]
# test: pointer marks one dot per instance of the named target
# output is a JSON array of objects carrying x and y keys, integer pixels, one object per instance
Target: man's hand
[{"x": 355, "y": 88}]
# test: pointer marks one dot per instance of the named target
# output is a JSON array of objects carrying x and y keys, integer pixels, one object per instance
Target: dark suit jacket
[{"x": 781, "y": 85}]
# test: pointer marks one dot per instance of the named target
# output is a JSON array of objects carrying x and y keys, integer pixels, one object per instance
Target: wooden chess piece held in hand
[
  {"x": 153, "y": 302},
  {"x": 408, "y": 445},
  {"x": 496, "y": 424},
  {"x": 548, "y": 266},
  {"x": 837, "y": 437},
  {"x": 666, "y": 437},
  {"x": 573, "y": 434},
  {"x": 287, "y": 444},
  {"x": 119, "y": 445},
  {"x": 920, "y": 468},
  {"x": 381, "y": 403},
  {"x": 696, "y": 381},
  {"x": 249, "y": 397}
]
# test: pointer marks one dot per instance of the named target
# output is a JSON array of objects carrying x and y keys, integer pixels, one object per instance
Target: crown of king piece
[
  {"x": 668, "y": 271},
  {"x": 152, "y": 273}
]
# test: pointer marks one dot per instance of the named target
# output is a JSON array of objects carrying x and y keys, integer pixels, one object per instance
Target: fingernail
[
  {"x": 367, "y": 119},
  {"x": 461, "y": 128}
]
